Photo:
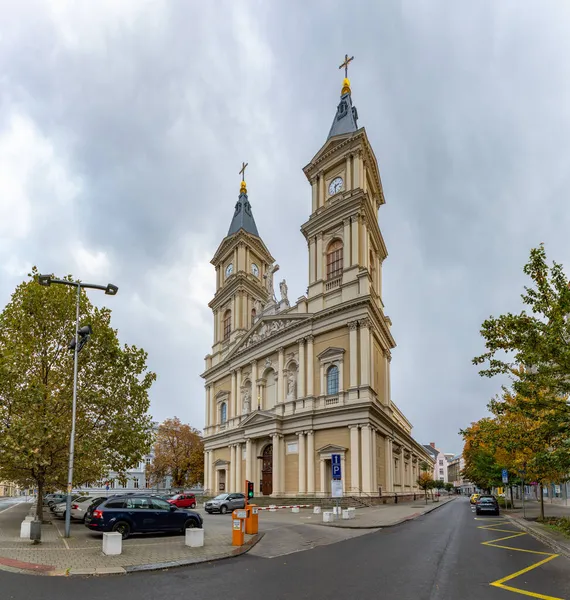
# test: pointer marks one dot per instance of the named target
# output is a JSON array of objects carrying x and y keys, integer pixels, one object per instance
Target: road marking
[
  {"x": 500, "y": 582},
  {"x": 59, "y": 533},
  {"x": 15, "y": 504}
]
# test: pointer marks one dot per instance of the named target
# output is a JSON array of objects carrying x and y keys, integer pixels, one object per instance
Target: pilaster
[
  {"x": 302, "y": 462},
  {"x": 310, "y": 463},
  {"x": 310, "y": 363},
  {"x": 354, "y": 458},
  {"x": 301, "y": 378},
  {"x": 364, "y": 352},
  {"x": 365, "y": 454}
]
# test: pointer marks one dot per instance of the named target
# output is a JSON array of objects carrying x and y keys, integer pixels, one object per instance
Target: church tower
[
  {"x": 241, "y": 262},
  {"x": 346, "y": 249}
]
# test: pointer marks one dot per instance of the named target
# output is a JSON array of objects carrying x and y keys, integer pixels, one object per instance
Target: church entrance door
[{"x": 267, "y": 471}]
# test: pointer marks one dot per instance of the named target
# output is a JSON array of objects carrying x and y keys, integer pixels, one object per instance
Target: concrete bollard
[
  {"x": 25, "y": 528},
  {"x": 194, "y": 538},
  {"x": 337, "y": 510},
  {"x": 112, "y": 544},
  {"x": 316, "y": 510},
  {"x": 328, "y": 517},
  {"x": 295, "y": 509},
  {"x": 345, "y": 514}
]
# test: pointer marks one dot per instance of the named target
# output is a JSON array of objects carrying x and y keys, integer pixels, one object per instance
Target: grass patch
[{"x": 560, "y": 524}]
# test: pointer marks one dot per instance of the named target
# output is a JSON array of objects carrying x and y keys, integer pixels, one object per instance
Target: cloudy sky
[{"x": 123, "y": 124}]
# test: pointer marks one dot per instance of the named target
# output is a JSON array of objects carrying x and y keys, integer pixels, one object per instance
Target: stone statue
[
  {"x": 283, "y": 289},
  {"x": 291, "y": 381},
  {"x": 257, "y": 307},
  {"x": 269, "y": 281},
  {"x": 245, "y": 400}
]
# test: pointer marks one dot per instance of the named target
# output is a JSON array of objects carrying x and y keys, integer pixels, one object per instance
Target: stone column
[
  {"x": 301, "y": 374},
  {"x": 374, "y": 465},
  {"x": 206, "y": 472},
  {"x": 320, "y": 257},
  {"x": 353, "y": 351},
  {"x": 232, "y": 480},
  {"x": 207, "y": 415},
  {"x": 354, "y": 254},
  {"x": 348, "y": 173},
  {"x": 249, "y": 461},
  {"x": 276, "y": 475},
  {"x": 354, "y": 459},
  {"x": 238, "y": 407},
  {"x": 388, "y": 390},
  {"x": 356, "y": 172},
  {"x": 312, "y": 261},
  {"x": 364, "y": 352},
  {"x": 314, "y": 200},
  {"x": 281, "y": 378},
  {"x": 254, "y": 390},
  {"x": 310, "y": 463},
  {"x": 211, "y": 474},
  {"x": 346, "y": 243},
  {"x": 322, "y": 382},
  {"x": 310, "y": 361},
  {"x": 389, "y": 464},
  {"x": 365, "y": 459},
  {"x": 238, "y": 475},
  {"x": 231, "y": 403},
  {"x": 321, "y": 191},
  {"x": 302, "y": 462},
  {"x": 322, "y": 471},
  {"x": 282, "y": 465}
]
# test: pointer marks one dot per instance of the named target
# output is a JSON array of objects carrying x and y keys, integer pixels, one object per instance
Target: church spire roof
[
  {"x": 243, "y": 215},
  {"x": 345, "y": 120}
]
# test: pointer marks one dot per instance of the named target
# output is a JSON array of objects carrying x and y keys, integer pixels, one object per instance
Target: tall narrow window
[
  {"x": 253, "y": 314},
  {"x": 227, "y": 324},
  {"x": 223, "y": 413},
  {"x": 334, "y": 259},
  {"x": 332, "y": 380}
]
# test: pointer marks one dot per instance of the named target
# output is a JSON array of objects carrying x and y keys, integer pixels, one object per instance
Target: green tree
[
  {"x": 481, "y": 467},
  {"x": 113, "y": 428},
  {"x": 449, "y": 487},
  {"x": 179, "y": 453}
]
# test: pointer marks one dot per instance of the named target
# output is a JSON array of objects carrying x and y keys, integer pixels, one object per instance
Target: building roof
[
  {"x": 433, "y": 451},
  {"x": 243, "y": 215},
  {"x": 346, "y": 117}
]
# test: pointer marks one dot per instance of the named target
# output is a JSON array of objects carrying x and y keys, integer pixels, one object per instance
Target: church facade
[{"x": 288, "y": 386}]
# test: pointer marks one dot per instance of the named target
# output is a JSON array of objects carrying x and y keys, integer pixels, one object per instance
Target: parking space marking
[{"x": 500, "y": 583}]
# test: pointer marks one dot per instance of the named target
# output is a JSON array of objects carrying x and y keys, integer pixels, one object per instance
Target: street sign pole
[
  {"x": 337, "y": 476},
  {"x": 505, "y": 477}
]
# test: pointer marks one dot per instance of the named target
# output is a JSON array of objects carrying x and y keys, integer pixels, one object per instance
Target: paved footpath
[{"x": 281, "y": 532}]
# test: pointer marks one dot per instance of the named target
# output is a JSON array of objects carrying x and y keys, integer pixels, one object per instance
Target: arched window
[
  {"x": 253, "y": 314},
  {"x": 334, "y": 259},
  {"x": 332, "y": 380},
  {"x": 223, "y": 413},
  {"x": 227, "y": 324}
]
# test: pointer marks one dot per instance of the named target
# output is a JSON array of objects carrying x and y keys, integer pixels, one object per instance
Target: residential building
[
  {"x": 440, "y": 462},
  {"x": 290, "y": 385},
  {"x": 454, "y": 473},
  {"x": 8, "y": 489}
]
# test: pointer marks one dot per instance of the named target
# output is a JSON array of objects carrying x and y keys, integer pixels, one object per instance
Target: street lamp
[{"x": 81, "y": 337}]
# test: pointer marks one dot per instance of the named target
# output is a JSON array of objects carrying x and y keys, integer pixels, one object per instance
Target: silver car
[{"x": 225, "y": 503}]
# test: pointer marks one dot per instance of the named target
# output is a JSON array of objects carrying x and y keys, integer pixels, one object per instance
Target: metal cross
[
  {"x": 346, "y": 63},
  {"x": 242, "y": 172}
]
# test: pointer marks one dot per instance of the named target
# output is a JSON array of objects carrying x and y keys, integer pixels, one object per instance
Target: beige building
[
  {"x": 8, "y": 489},
  {"x": 288, "y": 385}
]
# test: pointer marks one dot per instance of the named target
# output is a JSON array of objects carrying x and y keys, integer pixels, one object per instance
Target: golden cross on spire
[
  {"x": 346, "y": 63},
  {"x": 243, "y": 188}
]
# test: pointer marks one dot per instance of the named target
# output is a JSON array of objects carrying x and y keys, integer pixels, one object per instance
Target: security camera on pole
[{"x": 80, "y": 339}]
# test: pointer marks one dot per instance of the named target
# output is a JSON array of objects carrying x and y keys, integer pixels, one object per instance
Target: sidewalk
[
  {"x": 387, "y": 515},
  {"x": 81, "y": 554}
]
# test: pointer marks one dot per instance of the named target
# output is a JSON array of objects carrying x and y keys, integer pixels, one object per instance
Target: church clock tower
[
  {"x": 241, "y": 262},
  {"x": 346, "y": 248}
]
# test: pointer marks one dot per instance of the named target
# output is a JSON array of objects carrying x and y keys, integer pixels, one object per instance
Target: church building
[{"x": 288, "y": 386}]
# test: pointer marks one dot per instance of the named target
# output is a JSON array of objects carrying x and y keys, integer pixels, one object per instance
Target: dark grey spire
[
  {"x": 243, "y": 216},
  {"x": 345, "y": 120}
]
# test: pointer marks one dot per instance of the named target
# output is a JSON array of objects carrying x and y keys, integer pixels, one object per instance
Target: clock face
[
  {"x": 335, "y": 185},
  {"x": 229, "y": 270},
  {"x": 255, "y": 269}
]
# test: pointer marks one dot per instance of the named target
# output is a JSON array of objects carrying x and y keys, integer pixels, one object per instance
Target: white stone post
[
  {"x": 112, "y": 543},
  {"x": 354, "y": 459},
  {"x": 302, "y": 462},
  {"x": 310, "y": 463}
]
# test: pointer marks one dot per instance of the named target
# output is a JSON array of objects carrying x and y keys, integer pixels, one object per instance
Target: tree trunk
[
  {"x": 425, "y": 491},
  {"x": 512, "y": 499},
  {"x": 541, "y": 502},
  {"x": 40, "y": 501}
]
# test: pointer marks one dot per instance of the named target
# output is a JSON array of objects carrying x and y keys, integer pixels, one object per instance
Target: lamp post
[{"x": 76, "y": 345}]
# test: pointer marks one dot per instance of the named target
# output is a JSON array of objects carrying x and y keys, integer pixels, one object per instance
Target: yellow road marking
[{"x": 500, "y": 582}]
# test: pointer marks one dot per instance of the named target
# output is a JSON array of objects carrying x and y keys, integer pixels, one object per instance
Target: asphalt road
[{"x": 440, "y": 556}]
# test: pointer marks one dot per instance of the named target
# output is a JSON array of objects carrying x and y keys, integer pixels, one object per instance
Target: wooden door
[{"x": 267, "y": 471}]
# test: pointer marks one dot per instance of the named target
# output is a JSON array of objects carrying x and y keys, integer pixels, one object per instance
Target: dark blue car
[{"x": 140, "y": 514}]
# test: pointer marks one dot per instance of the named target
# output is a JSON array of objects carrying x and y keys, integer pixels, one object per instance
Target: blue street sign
[
  {"x": 505, "y": 474},
  {"x": 336, "y": 469}
]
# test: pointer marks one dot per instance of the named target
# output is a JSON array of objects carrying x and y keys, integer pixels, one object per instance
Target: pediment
[
  {"x": 221, "y": 463},
  {"x": 266, "y": 328},
  {"x": 332, "y": 448},
  {"x": 257, "y": 417},
  {"x": 329, "y": 145},
  {"x": 331, "y": 352}
]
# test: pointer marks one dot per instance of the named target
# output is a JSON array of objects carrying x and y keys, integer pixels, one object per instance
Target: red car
[{"x": 183, "y": 500}]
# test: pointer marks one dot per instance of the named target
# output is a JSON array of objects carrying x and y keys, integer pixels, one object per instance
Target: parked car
[
  {"x": 140, "y": 514},
  {"x": 80, "y": 506},
  {"x": 224, "y": 503},
  {"x": 473, "y": 498},
  {"x": 487, "y": 504},
  {"x": 184, "y": 500},
  {"x": 59, "y": 509},
  {"x": 52, "y": 499}
]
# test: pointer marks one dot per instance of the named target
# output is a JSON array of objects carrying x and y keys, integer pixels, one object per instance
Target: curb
[
  {"x": 23, "y": 568},
  {"x": 404, "y": 520},
  {"x": 541, "y": 536}
]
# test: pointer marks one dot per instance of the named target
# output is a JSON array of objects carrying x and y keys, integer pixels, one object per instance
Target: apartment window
[
  {"x": 227, "y": 324},
  {"x": 334, "y": 259},
  {"x": 223, "y": 413},
  {"x": 441, "y": 462},
  {"x": 332, "y": 380},
  {"x": 136, "y": 483},
  {"x": 441, "y": 471}
]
